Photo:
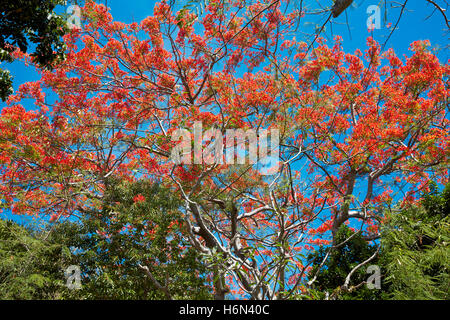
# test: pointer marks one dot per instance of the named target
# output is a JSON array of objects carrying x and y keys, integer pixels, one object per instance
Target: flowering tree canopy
[{"x": 357, "y": 131}]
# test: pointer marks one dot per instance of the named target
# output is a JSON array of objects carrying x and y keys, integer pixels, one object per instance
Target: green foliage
[
  {"x": 127, "y": 233},
  {"x": 437, "y": 205},
  {"x": 196, "y": 6},
  {"x": 30, "y": 268},
  {"x": 25, "y": 22},
  {"x": 414, "y": 256},
  {"x": 5, "y": 84},
  {"x": 138, "y": 224},
  {"x": 416, "y": 249},
  {"x": 338, "y": 265}
]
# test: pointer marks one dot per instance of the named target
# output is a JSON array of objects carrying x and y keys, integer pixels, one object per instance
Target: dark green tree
[
  {"x": 351, "y": 250},
  {"x": 30, "y": 23},
  {"x": 133, "y": 248},
  {"x": 32, "y": 266},
  {"x": 416, "y": 249},
  {"x": 414, "y": 256}
]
